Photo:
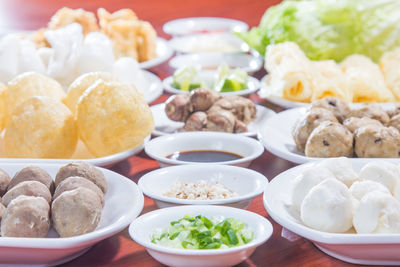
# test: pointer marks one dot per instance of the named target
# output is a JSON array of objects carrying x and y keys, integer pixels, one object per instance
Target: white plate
[
  {"x": 203, "y": 24},
  {"x": 208, "y": 42},
  {"x": 163, "y": 125},
  {"x": 246, "y": 62},
  {"x": 161, "y": 147},
  {"x": 163, "y": 51},
  {"x": 276, "y": 136},
  {"x": 143, "y": 227},
  {"x": 279, "y": 101},
  {"x": 154, "y": 89},
  {"x": 81, "y": 153},
  {"x": 377, "y": 249},
  {"x": 123, "y": 203},
  {"x": 245, "y": 182},
  {"x": 210, "y": 76}
]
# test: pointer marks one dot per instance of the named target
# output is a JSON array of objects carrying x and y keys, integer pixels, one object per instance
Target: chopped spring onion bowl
[{"x": 201, "y": 232}]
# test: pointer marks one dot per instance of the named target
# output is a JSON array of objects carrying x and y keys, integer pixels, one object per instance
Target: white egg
[
  {"x": 382, "y": 172},
  {"x": 328, "y": 207},
  {"x": 377, "y": 212},
  {"x": 342, "y": 169},
  {"x": 307, "y": 180}
]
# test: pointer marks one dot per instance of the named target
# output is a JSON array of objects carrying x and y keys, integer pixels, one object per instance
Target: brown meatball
[
  {"x": 354, "y": 123},
  {"x": 32, "y": 173},
  {"x": 76, "y": 212},
  {"x": 220, "y": 120},
  {"x": 4, "y": 181},
  {"x": 74, "y": 182},
  {"x": 371, "y": 111},
  {"x": 196, "y": 122},
  {"x": 85, "y": 170},
  {"x": 339, "y": 108},
  {"x": 2, "y": 211},
  {"x": 307, "y": 123},
  {"x": 178, "y": 107},
  {"x": 202, "y": 99},
  {"x": 27, "y": 188},
  {"x": 243, "y": 109},
  {"x": 330, "y": 139},
  {"x": 395, "y": 121},
  {"x": 26, "y": 216},
  {"x": 377, "y": 142}
]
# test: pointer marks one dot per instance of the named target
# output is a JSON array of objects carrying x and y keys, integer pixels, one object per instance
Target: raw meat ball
[
  {"x": 329, "y": 139},
  {"x": 26, "y": 216},
  {"x": 27, "y": 188},
  {"x": 85, "y": 170},
  {"x": 74, "y": 182},
  {"x": 76, "y": 212},
  {"x": 32, "y": 173},
  {"x": 307, "y": 123},
  {"x": 377, "y": 142}
]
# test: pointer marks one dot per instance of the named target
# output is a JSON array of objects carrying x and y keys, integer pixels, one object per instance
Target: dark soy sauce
[{"x": 204, "y": 156}]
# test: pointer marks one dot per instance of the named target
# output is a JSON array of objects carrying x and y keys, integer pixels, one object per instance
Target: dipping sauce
[{"x": 204, "y": 156}]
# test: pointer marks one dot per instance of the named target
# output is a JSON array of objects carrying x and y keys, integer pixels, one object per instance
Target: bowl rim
[
  {"x": 167, "y": 85},
  {"x": 261, "y": 236},
  {"x": 253, "y": 143},
  {"x": 251, "y": 174}
]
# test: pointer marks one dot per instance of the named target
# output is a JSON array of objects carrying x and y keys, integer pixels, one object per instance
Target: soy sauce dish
[
  {"x": 225, "y": 236},
  {"x": 204, "y": 148},
  {"x": 203, "y": 185}
]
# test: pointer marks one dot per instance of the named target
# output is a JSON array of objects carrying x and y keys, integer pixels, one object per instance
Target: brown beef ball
[
  {"x": 377, "y": 142},
  {"x": 353, "y": 123},
  {"x": 330, "y": 139},
  {"x": 27, "y": 188},
  {"x": 2, "y": 210},
  {"x": 4, "y": 181},
  {"x": 26, "y": 216},
  {"x": 76, "y": 212},
  {"x": 371, "y": 111},
  {"x": 32, "y": 173},
  {"x": 74, "y": 182},
  {"x": 85, "y": 170}
]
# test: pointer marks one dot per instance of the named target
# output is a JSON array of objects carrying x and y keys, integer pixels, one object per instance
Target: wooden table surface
[{"x": 120, "y": 250}]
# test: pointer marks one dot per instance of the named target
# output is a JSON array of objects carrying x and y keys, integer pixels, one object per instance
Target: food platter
[
  {"x": 276, "y": 135},
  {"x": 372, "y": 249},
  {"x": 163, "y": 125},
  {"x": 163, "y": 51},
  {"x": 52, "y": 250}
]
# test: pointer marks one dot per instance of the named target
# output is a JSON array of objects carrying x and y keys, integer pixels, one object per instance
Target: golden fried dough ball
[
  {"x": 30, "y": 84},
  {"x": 113, "y": 117},
  {"x": 66, "y": 16},
  {"x": 105, "y": 17},
  {"x": 41, "y": 127},
  {"x": 2, "y": 106},
  {"x": 81, "y": 83}
]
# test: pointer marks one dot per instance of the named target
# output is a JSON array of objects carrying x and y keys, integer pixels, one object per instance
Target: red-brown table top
[{"x": 120, "y": 250}]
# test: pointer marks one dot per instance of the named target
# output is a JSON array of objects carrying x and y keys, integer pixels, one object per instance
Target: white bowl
[
  {"x": 203, "y": 24},
  {"x": 123, "y": 203},
  {"x": 143, "y": 227},
  {"x": 245, "y": 182},
  {"x": 246, "y": 62},
  {"x": 210, "y": 76},
  {"x": 375, "y": 249},
  {"x": 161, "y": 147},
  {"x": 163, "y": 53},
  {"x": 208, "y": 42}
]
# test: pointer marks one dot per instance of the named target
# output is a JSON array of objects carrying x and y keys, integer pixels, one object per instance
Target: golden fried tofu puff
[
  {"x": 79, "y": 86},
  {"x": 41, "y": 127},
  {"x": 113, "y": 117},
  {"x": 27, "y": 85}
]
